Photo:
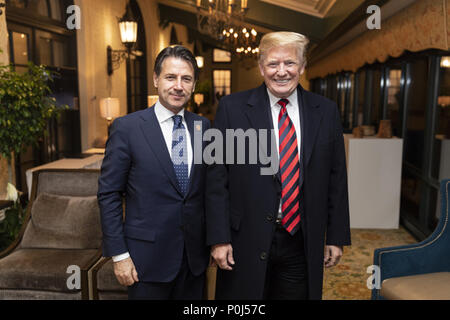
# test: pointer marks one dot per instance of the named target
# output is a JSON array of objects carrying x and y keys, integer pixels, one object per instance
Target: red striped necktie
[{"x": 289, "y": 170}]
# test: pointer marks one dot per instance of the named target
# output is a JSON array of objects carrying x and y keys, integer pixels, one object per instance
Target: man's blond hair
[{"x": 284, "y": 39}]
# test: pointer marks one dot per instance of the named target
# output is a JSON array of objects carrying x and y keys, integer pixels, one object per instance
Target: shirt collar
[
  {"x": 274, "y": 100},
  {"x": 164, "y": 114}
]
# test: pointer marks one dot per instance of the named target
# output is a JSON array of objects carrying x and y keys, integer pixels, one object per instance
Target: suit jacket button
[
  {"x": 269, "y": 218},
  {"x": 263, "y": 256}
]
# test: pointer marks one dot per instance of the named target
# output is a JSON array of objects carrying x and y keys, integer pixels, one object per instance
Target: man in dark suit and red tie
[
  {"x": 271, "y": 235},
  {"x": 159, "y": 249}
]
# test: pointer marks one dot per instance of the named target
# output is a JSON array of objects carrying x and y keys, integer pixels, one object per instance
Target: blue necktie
[{"x": 179, "y": 153}]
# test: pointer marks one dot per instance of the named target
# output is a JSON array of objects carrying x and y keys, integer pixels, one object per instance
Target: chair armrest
[
  {"x": 85, "y": 276},
  {"x": 92, "y": 276}
]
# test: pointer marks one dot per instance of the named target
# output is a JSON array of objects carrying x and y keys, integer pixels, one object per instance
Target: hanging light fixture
[{"x": 223, "y": 20}]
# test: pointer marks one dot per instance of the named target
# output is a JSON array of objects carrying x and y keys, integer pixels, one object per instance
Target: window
[
  {"x": 361, "y": 98},
  {"x": 332, "y": 88},
  {"x": 394, "y": 100},
  {"x": 53, "y": 50},
  {"x": 350, "y": 99},
  {"x": 221, "y": 56},
  {"x": 376, "y": 101},
  {"x": 53, "y": 9},
  {"x": 416, "y": 122},
  {"x": 341, "y": 87},
  {"x": 345, "y": 98},
  {"x": 440, "y": 168},
  {"x": 20, "y": 52},
  {"x": 222, "y": 83},
  {"x": 416, "y": 190}
]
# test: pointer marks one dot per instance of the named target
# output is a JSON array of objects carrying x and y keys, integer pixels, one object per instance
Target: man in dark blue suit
[
  {"x": 158, "y": 245},
  {"x": 271, "y": 235}
]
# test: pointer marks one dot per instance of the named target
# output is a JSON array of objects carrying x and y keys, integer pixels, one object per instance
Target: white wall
[{"x": 99, "y": 28}]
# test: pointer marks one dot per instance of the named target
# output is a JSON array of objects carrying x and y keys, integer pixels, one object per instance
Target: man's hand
[
  {"x": 125, "y": 272},
  {"x": 222, "y": 255},
  {"x": 332, "y": 256}
]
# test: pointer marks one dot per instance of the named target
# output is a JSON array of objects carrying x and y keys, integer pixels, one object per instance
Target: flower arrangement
[{"x": 11, "y": 218}]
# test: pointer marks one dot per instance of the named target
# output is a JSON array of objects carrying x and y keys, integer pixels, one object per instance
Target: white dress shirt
[
  {"x": 165, "y": 121},
  {"x": 293, "y": 113}
]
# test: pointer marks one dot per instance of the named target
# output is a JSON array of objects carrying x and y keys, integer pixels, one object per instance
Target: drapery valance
[{"x": 423, "y": 25}]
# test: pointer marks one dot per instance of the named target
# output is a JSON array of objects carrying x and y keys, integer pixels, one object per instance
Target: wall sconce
[
  {"x": 151, "y": 100},
  {"x": 200, "y": 60},
  {"x": 445, "y": 62},
  {"x": 199, "y": 98},
  {"x": 128, "y": 34},
  {"x": 444, "y": 101},
  {"x": 109, "y": 109}
]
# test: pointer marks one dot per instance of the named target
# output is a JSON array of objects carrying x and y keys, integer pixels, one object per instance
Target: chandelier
[{"x": 223, "y": 20}]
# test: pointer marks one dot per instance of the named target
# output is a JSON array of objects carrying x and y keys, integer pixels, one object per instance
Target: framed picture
[{"x": 221, "y": 55}]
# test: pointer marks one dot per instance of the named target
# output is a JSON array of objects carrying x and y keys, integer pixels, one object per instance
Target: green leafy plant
[
  {"x": 25, "y": 107},
  {"x": 11, "y": 224}
]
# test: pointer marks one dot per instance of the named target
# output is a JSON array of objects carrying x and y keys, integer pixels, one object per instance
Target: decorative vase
[{"x": 385, "y": 129}]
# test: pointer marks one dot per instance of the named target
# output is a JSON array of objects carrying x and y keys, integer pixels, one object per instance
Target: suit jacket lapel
[
  {"x": 258, "y": 109},
  {"x": 258, "y": 114},
  {"x": 310, "y": 118},
  {"x": 155, "y": 139},
  {"x": 190, "y": 126}
]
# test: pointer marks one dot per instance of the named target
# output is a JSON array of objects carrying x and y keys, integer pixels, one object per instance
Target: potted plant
[{"x": 25, "y": 107}]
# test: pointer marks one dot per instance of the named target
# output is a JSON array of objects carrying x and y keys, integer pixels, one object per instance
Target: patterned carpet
[{"x": 347, "y": 281}]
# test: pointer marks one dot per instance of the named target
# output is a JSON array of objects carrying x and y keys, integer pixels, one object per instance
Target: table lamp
[{"x": 109, "y": 109}]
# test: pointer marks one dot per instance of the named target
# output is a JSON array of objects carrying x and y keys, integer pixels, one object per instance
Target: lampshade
[
  {"x": 200, "y": 61},
  {"x": 128, "y": 31},
  {"x": 445, "y": 62},
  {"x": 152, "y": 100},
  {"x": 109, "y": 108},
  {"x": 199, "y": 98}
]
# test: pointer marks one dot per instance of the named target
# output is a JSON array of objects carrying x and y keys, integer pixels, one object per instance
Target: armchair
[
  {"x": 61, "y": 232},
  {"x": 419, "y": 271}
]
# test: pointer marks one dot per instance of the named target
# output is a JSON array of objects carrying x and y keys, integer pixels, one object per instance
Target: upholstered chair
[
  {"x": 419, "y": 271},
  {"x": 60, "y": 239}
]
